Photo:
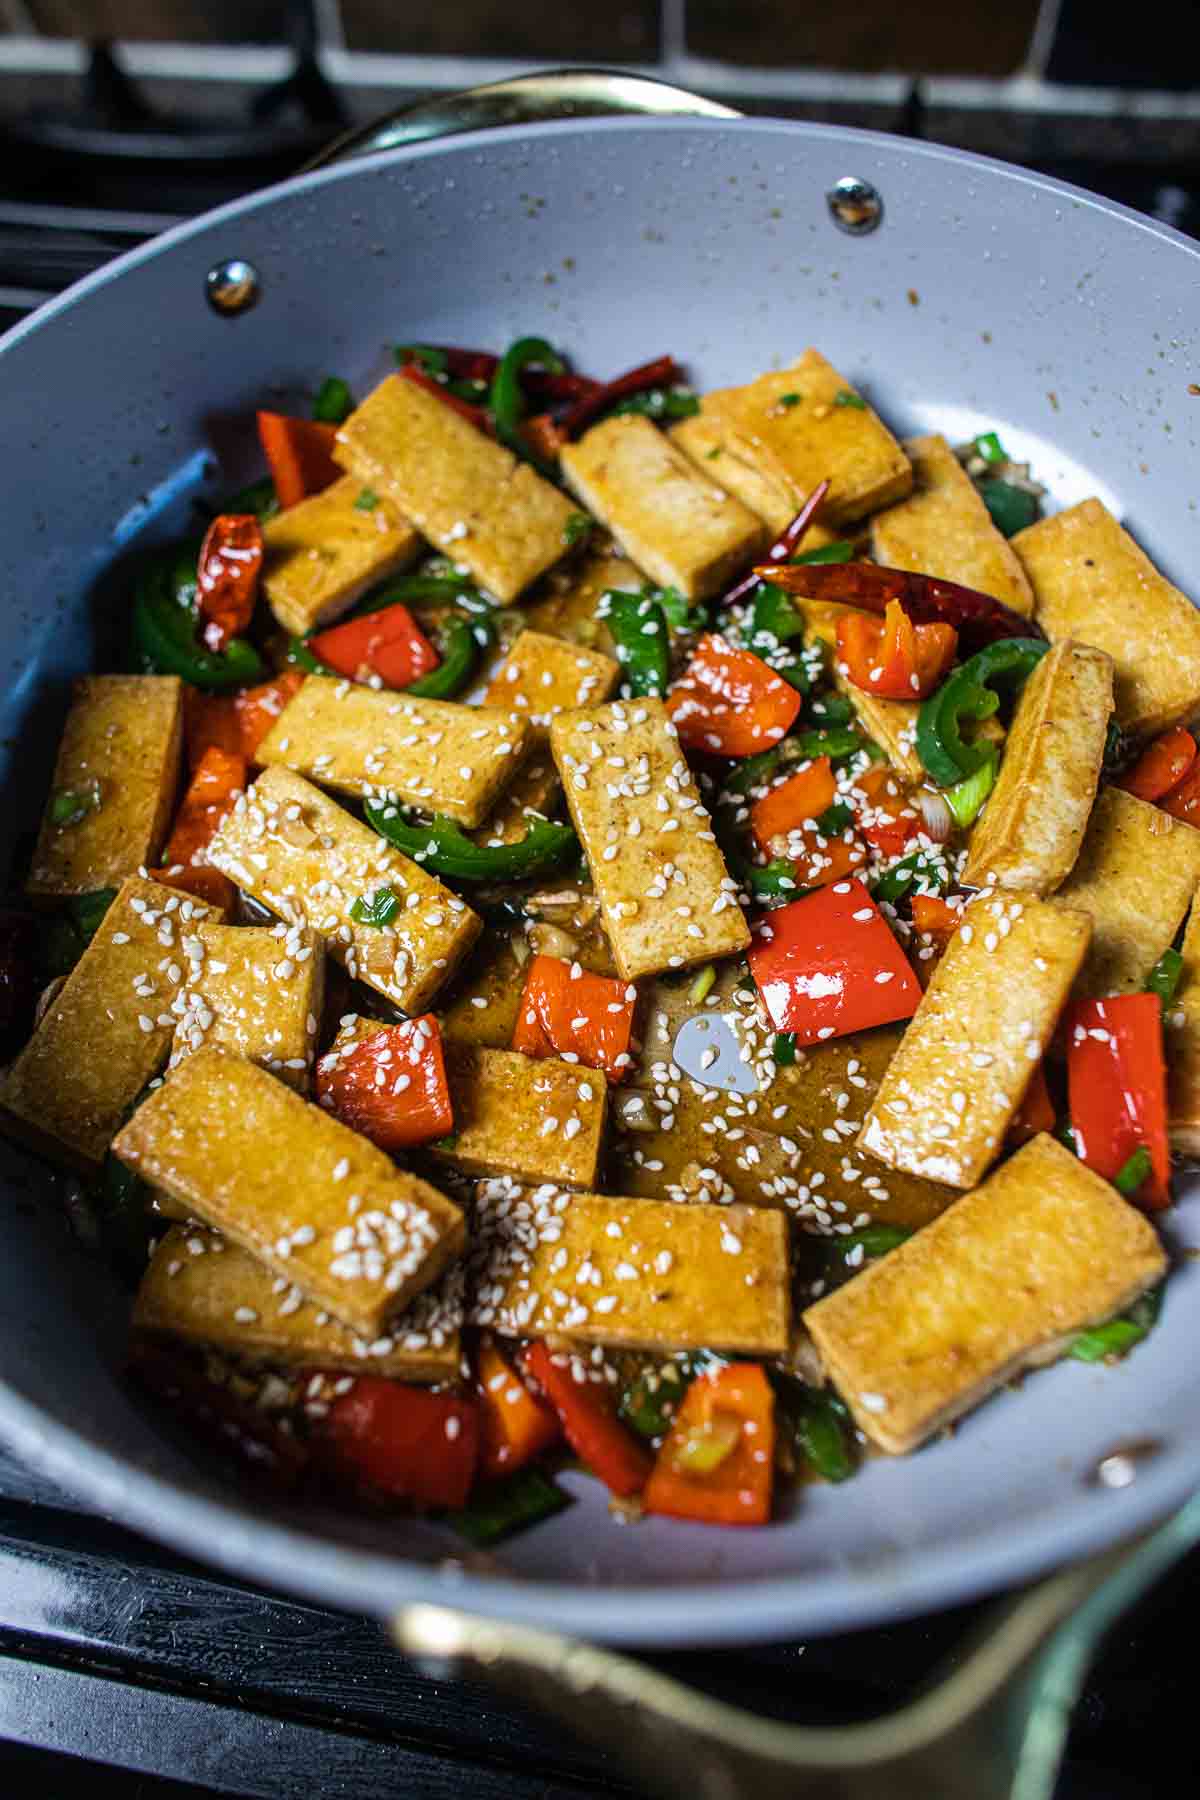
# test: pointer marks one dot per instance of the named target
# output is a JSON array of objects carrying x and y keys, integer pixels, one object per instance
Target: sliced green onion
[
  {"x": 1130, "y": 1176},
  {"x": 660, "y": 403},
  {"x": 1165, "y": 976},
  {"x": 1118, "y": 1336},
  {"x": 911, "y": 871},
  {"x": 875, "y": 1240},
  {"x": 703, "y": 983},
  {"x": 835, "y": 744},
  {"x": 846, "y": 398},
  {"x": 834, "y": 820},
  {"x": 965, "y": 799},
  {"x": 498, "y": 1509},
  {"x": 576, "y": 528},
  {"x": 366, "y": 501},
  {"x": 334, "y": 402},
  {"x": 832, "y": 709},
  {"x": 378, "y": 909},
  {"x": 69, "y": 805},
  {"x": 988, "y": 445},
  {"x": 789, "y": 400}
]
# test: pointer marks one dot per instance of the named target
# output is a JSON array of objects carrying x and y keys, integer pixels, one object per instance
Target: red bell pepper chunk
[
  {"x": 515, "y": 1425},
  {"x": 227, "y": 572},
  {"x": 784, "y": 546},
  {"x": 927, "y": 599},
  {"x": 729, "y": 702},
  {"x": 1036, "y": 1112},
  {"x": 1183, "y": 800},
  {"x": 390, "y": 1084},
  {"x": 659, "y": 373},
  {"x": 218, "y": 780},
  {"x": 894, "y": 659},
  {"x": 827, "y": 964},
  {"x": 299, "y": 454},
  {"x": 401, "y": 1441},
  {"x": 239, "y": 722},
  {"x": 544, "y": 435},
  {"x": 589, "y": 1421},
  {"x": 588, "y": 1018},
  {"x": 1161, "y": 766},
  {"x": 1117, "y": 1089},
  {"x": 794, "y": 803},
  {"x": 388, "y": 643},
  {"x": 474, "y": 415},
  {"x": 935, "y": 917},
  {"x": 716, "y": 1464},
  {"x": 885, "y": 818}
]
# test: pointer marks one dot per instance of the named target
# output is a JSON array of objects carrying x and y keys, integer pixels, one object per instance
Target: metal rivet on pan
[
  {"x": 1118, "y": 1468},
  {"x": 232, "y": 286},
  {"x": 855, "y": 206}
]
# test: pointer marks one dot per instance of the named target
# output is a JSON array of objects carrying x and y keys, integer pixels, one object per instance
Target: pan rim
[{"x": 750, "y": 1608}]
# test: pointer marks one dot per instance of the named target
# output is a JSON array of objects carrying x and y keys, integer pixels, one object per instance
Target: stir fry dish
[{"x": 600, "y": 926}]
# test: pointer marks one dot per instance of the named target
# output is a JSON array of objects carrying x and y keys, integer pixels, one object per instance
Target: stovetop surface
[{"x": 125, "y": 1670}]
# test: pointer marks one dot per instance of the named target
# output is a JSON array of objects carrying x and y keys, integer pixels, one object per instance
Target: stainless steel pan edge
[{"x": 60, "y": 1404}]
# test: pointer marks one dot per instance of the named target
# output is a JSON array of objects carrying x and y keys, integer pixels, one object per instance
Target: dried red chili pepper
[
  {"x": 227, "y": 572},
  {"x": 659, "y": 373},
  {"x": 474, "y": 415},
  {"x": 978, "y": 618},
  {"x": 785, "y": 546}
]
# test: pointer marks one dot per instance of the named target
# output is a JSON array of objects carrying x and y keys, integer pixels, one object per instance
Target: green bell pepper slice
[
  {"x": 1165, "y": 976},
  {"x": 499, "y": 1508},
  {"x": 506, "y": 400},
  {"x": 1118, "y": 1336},
  {"x": 819, "y": 1427},
  {"x": 460, "y": 657},
  {"x": 442, "y": 847},
  {"x": 164, "y": 629},
  {"x": 971, "y": 693},
  {"x": 334, "y": 402},
  {"x": 639, "y": 629}
]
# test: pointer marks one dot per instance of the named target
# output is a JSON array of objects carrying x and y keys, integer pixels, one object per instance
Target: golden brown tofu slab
[
  {"x": 944, "y": 529},
  {"x": 1001, "y": 1281},
  {"x": 542, "y": 676},
  {"x": 892, "y": 724},
  {"x": 313, "y": 1200},
  {"x": 790, "y": 1146},
  {"x": 683, "y": 529},
  {"x": 1183, "y": 1047},
  {"x": 801, "y": 425},
  {"x": 206, "y": 1290},
  {"x": 324, "y": 553},
  {"x": 642, "y": 1274},
  {"x": 434, "y": 754},
  {"x": 258, "y": 992},
  {"x": 534, "y": 1117},
  {"x": 465, "y": 493},
  {"x": 1029, "y": 833},
  {"x": 1091, "y": 581},
  {"x": 707, "y": 439},
  {"x": 108, "y": 1030},
  {"x": 1135, "y": 877},
  {"x": 665, "y": 894},
  {"x": 114, "y": 784},
  {"x": 964, "y": 1063},
  {"x": 298, "y": 852},
  {"x": 533, "y": 793}
]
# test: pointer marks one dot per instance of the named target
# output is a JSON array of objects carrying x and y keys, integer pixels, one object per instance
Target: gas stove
[{"x": 139, "y": 1674}]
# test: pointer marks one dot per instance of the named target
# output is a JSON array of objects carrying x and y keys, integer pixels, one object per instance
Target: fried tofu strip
[
  {"x": 542, "y": 676},
  {"x": 434, "y": 754},
  {"x": 1183, "y": 1047},
  {"x": 1093, "y": 582},
  {"x": 1135, "y": 877},
  {"x": 313, "y": 1200},
  {"x": 790, "y": 1146},
  {"x": 707, "y": 439},
  {"x": 258, "y": 992},
  {"x": 114, "y": 784},
  {"x": 665, "y": 894},
  {"x": 797, "y": 426},
  {"x": 892, "y": 724},
  {"x": 1029, "y": 833},
  {"x": 945, "y": 529},
  {"x": 999, "y": 1283},
  {"x": 205, "y": 1290},
  {"x": 642, "y": 1274},
  {"x": 297, "y": 851},
  {"x": 324, "y": 553},
  {"x": 964, "y": 1063},
  {"x": 680, "y": 527},
  {"x": 566, "y": 603},
  {"x": 468, "y": 495},
  {"x": 108, "y": 1030},
  {"x": 532, "y": 1117}
]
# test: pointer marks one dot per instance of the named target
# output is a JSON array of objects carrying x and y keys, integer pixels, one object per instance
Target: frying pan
[{"x": 967, "y": 294}]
